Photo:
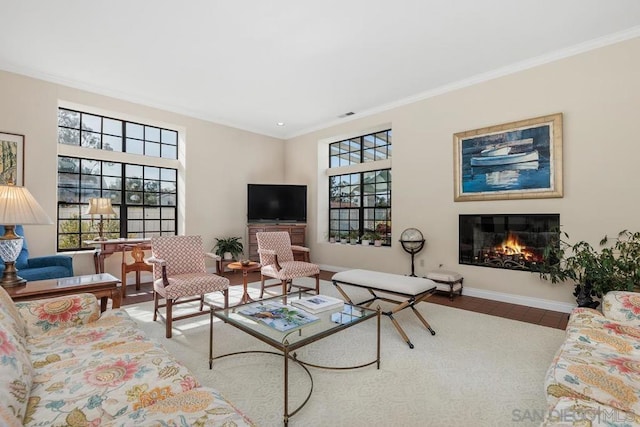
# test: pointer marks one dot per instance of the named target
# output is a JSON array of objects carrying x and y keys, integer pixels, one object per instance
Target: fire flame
[{"x": 512, "y": 246}]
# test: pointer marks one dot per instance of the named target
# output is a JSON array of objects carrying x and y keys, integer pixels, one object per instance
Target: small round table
[{"x": 252, "y": 266}]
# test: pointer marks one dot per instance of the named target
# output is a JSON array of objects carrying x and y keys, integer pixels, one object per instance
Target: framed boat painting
[
  {"x": 518, "y": 160},
  {"x": 11, "y": 158}
]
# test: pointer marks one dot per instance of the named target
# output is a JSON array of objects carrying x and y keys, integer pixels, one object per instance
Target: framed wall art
[
  {"x": 11, "y": 158},
  {"x": 518, "y": 160}
]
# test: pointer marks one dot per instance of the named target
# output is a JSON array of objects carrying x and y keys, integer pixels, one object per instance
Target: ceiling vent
[{"x": 342, "y": 116}]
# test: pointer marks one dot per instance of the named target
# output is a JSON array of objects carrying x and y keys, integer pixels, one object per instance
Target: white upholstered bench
[
  {"x": 447, "y": 281},
  {"x": 414, "y": 289}
]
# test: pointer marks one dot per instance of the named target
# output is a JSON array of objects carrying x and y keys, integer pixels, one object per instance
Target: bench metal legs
[{"x": 400, "y": 305}]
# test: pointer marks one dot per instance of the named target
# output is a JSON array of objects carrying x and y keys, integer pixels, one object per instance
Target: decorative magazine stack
[
  {"x": 278, "y": 316},
  {"x": 318, "y": 303}
]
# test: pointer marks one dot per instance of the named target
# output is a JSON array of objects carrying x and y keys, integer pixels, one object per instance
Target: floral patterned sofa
[
  {"x": 594, "y": 379},
  {"x": 63, "y": 363}
]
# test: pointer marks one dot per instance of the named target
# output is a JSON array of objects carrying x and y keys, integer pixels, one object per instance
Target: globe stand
[{"x": 412, "y": 242}]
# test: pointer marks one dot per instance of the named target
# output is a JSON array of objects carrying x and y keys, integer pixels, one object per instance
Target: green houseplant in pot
[
  {"x": 370, "y": 236},
  {"x": 623, "y": 258},
  {"x": 614, "y": 267},
  {"x": 353, "y": 236},
  {"x": 229, "y": 245}
]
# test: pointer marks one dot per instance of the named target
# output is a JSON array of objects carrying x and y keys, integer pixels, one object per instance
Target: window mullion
[
  {"x": 361, "y": 208},
  {"x": 124, "y": 223}
]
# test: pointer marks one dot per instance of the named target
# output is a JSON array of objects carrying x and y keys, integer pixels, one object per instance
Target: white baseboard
[{"x": 562, "y": 307}]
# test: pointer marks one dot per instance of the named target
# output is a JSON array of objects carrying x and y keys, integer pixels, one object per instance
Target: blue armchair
[{"x": 39, "y": 268}]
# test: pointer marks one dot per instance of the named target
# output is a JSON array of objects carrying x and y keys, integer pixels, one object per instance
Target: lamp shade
[
  {"x": 99, "y": 206},
  {"x": 18, "y": 206}
]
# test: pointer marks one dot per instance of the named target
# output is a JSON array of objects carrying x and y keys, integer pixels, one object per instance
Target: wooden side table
[
  {"x": 221, "y": 263},
  {"x": 103, "y": 286},
  {"x": 252, "y": 266}
]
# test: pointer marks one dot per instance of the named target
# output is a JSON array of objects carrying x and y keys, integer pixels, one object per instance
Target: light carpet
[{"x": 478, "y": 370}]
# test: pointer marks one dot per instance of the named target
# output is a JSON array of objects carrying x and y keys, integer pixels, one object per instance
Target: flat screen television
[{"x": 276, "y": 203}]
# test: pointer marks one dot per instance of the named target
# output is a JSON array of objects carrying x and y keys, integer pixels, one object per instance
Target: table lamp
[
  {"x": 17, "y": 206},
  {"x": 99, "y": 206}
]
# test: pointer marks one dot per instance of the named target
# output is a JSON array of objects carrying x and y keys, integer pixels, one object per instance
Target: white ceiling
[{"x": 253, "y": 63}]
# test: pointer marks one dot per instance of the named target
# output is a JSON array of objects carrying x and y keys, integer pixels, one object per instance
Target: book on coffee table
[
  {"x": 318, "y": 303},
  {"x": 278, "y": 316}
]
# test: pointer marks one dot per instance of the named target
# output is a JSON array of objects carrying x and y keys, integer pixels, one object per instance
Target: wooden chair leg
[
  {"x": 155, "y": 305},
  {"x": 261, "y": 286},
  {"x": 317, "y": 284},
  {"x": 226, "y": 298},
  {"x": 169, "y": 316},
  {"x": 201, "y": 302},
  {"x": 123, "y": 275}
]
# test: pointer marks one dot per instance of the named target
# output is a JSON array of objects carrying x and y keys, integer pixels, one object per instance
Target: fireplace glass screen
[{"x": 514, "y": 242}]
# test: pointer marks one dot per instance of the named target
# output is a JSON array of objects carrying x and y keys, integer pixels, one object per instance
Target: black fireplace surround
[{"x": 509, "y": 241}]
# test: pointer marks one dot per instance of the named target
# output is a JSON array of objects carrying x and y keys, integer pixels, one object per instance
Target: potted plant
[
  {"x": 594, "y": 273},
  {"x": 370, "y": 236},
  {"x": 229, "y": 247},
  {"x": 353, "y": 236},
  {"x": 623, "y": 257}
]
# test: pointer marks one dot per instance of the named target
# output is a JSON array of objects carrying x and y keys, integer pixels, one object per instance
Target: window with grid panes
[
  {"x": 143, "y": 196},
  {"x": 360, "y": 203},
  {"x": 106, "y": 133}
]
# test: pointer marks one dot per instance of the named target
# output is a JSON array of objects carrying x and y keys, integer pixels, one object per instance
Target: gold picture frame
[
  {"x": 517, "y": 160},
  {"x": 11, "y": 158}
]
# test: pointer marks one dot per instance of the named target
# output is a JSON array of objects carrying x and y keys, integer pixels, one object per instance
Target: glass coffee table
[{"x": 321, "y": 325}]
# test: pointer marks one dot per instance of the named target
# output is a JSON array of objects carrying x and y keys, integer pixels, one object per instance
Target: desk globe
[{"x": 412, "y": 242}]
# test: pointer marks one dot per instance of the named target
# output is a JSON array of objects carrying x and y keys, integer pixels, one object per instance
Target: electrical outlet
[{"x": 421, "y": 263}]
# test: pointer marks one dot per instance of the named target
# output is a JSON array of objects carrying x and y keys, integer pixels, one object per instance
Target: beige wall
[
  {"x": 599, "y": 94},
  {"x": 216, "y": 165}
]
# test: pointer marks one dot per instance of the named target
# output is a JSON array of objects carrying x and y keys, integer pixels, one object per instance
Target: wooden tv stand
[{"x": 296, "y": 231}]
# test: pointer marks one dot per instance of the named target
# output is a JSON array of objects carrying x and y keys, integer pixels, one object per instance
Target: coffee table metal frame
[{"x": 288, "y": 342}]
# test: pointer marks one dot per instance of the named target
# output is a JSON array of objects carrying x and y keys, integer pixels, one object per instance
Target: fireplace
[{"x": 514, "y": 242}]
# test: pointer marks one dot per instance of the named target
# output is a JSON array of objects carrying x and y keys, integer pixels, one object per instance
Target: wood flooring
[{"x": 538, "y": 316}]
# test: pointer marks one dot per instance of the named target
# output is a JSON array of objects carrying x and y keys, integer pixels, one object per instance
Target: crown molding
[
  {"x": 81, "y": 85},
  {"x": 283, "y": 135},
  {"x": 484, "y": 77}
]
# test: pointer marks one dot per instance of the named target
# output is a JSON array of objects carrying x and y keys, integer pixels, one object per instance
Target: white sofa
[
  {"x": 62, "y": 362},
  {"x": 594, "y": 379}
]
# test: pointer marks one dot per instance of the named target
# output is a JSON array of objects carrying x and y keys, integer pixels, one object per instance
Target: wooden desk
[
  {"x": 103, "y": 286},
  {"x": 104, "y": 248}
]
